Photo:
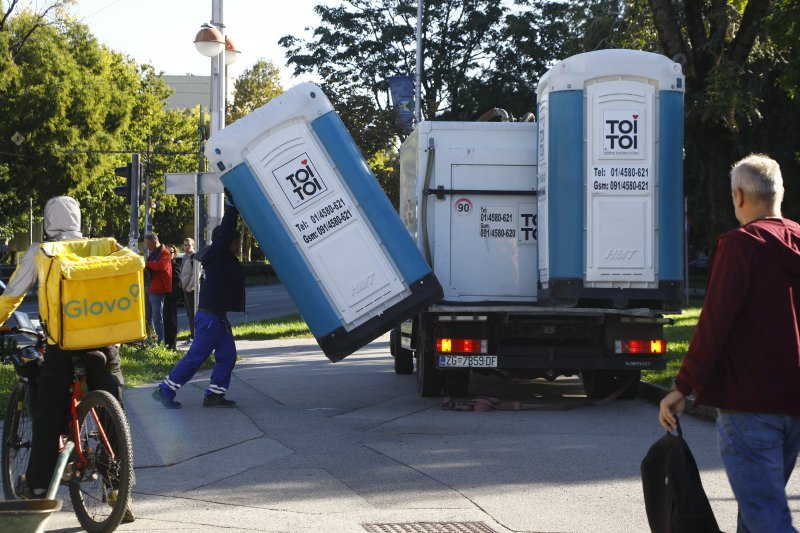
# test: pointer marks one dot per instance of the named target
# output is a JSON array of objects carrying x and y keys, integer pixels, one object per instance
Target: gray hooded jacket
[{"x": 62, "y": 222}]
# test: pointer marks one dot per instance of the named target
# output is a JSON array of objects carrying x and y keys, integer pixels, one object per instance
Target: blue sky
[{"x": 162, "y": 32}]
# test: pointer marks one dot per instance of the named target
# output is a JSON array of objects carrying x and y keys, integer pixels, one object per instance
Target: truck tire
[
  {"x": 429, "y": 378},
  {"x": 599, "y": 384},
  {"x": 456, "y": 383},
  {"x": 403, "y": 359}
]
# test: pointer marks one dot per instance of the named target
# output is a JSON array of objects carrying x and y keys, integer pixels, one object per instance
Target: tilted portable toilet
[
  {"x": 323, "y": 221},
  {"x": 610, "y": 181}
]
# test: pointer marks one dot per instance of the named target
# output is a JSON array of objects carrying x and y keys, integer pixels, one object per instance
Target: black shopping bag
[{"x": 673, "y": 493}]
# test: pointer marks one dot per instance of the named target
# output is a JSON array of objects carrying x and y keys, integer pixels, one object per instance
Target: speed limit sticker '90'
[{"x": 463, "y": 206}]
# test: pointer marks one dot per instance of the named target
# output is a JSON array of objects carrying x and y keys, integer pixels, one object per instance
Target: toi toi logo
[
  {"x": 299, "y": 180},
  {"x": 86, "y": 307},
  {"x": 621, "y": 131}
]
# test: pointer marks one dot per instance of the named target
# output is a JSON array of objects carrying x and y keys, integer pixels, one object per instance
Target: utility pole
[
  {"x": 147, "y": 227},
  {"x": 216, "y": 202},
  {"x": 418, "y": 83}
]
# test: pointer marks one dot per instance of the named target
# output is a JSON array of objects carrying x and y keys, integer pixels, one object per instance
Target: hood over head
[
  {"x": 62, "y": 219},
  {"x": 778, "y": 237}
]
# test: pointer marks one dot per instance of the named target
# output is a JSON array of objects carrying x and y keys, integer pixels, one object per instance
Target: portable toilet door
[
  {"x": 331, "y": 234},
  {"x": 610, "y": 181}
]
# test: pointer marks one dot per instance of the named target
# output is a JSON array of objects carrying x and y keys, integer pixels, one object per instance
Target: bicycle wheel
[
  {"x": 17, "y": 430},
  {"x": 109, "y": 464}
]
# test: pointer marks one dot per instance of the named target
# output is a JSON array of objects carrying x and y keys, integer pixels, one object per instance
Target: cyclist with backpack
[{"x": 62, "y": 222}]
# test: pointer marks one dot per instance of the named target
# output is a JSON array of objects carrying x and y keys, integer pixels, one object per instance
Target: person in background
[
  {"x": 222, "y": 291},
  {"x": 171, "y": 303},
  {"x": 188, "y": 283},
  {"x": 159, "y": 264},
  {"x": 744, "y": 357}
]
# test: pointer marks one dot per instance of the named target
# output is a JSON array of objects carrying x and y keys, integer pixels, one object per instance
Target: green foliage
[
  {"x": 361, "y": 42},
  {"x": 81, "y": 110},
  {"x": 255, "y": 87},
  {"x": 783, "y": 27}
]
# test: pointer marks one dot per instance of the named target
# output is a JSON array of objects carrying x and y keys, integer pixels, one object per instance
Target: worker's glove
[{"x": 229, "y": 198}]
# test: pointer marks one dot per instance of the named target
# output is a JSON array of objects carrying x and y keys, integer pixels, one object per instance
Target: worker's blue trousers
[{"x": 212, "y": 332}]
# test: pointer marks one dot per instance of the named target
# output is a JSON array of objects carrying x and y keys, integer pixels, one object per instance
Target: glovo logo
[{"x": 86, "y": 307}]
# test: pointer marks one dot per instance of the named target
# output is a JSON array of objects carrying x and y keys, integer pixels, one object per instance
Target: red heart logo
[
  {"x": 634, "y": 118},
  {"x": 304, "y": 161}
]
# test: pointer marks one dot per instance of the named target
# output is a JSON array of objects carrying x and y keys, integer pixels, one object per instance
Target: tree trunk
[{"x": 710, "y": 152}]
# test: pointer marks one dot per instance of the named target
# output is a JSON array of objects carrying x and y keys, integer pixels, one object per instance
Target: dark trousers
[
  {"x": 188, "y": 303},
  {"x": 213, "y": 335},
  {"x": 170, "y": 321},
  {"x": 51, "y": 409}
]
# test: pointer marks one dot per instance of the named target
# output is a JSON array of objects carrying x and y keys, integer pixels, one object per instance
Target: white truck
[{"x": 558, "y": 243}]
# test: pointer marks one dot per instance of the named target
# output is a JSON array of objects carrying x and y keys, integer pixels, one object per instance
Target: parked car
[{"x": 699, "y": 266}]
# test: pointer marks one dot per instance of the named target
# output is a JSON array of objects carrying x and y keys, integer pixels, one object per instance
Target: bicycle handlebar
[{"x": 14, "y": 330}]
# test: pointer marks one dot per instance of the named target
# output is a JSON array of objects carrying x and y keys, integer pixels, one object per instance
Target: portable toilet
[
  {"x": 610, "y": 181},
  {"x": 323, "y": 221}
]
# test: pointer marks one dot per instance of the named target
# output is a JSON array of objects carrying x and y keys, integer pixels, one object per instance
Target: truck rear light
[
  {"x": 448, "y": 345},
  {"x": 654, "y": 346}
]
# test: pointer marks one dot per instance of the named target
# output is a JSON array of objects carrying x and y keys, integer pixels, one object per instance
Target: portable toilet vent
[
  {"x": 610, "y": 181},
  {"x": 321, "y": 218}
]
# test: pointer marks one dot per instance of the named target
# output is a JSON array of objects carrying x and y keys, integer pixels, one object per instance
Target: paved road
[
  {"x": 262, "y": 302},
  {"x": 322, "y": 447}
]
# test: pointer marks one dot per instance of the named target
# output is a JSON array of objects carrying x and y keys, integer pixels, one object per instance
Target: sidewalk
[
  {"x": 351, "y": 447},
  {"x": 202, "y": 469}
]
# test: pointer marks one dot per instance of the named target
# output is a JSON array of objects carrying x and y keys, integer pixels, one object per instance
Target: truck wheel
[
  {"x": 456, "y": 383},
  {"x": 429, "y": 378},
  {"x": 632, "y": 390},
  {"x": 599, "y": 384},
  {"x": 403, "y": 359}
]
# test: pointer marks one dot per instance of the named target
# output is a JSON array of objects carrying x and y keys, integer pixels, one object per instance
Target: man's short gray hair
[
  {"x": 152, "y": 237},
  {"x": 759, "y": 175}
]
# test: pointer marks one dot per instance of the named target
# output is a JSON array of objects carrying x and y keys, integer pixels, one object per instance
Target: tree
[
  {"x": 255, "y": 87},
  {"x": 359, "y": 44},
  {"x": 64, "y": 106},
  {"x": 717, "y": 42},
  {"x": 80, "y": 110}
]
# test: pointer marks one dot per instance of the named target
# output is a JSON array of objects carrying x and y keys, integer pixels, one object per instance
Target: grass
[
  {"x": 678, "y": 335},
  {"x": 143, "y": 365}
]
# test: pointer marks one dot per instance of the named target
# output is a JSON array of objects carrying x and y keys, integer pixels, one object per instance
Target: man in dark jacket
[
  {"x": 222, "y": 291},
  {"x": 744, "y": 357}
]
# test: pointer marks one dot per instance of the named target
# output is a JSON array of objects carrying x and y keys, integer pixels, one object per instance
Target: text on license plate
[{"x": 468, "y": 361}]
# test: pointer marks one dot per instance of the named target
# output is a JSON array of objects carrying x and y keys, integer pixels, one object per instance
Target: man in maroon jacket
[
  {"x": 744, "y": 357},
  {"x": 159, "y": 264}
]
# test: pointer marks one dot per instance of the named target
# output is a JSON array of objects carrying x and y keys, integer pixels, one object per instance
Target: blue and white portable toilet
[
  {"x": 323, "y": 221},
  {"x": 610, "y": 181}
]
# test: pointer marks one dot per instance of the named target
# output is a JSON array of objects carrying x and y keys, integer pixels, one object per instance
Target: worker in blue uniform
[{"x": 221, "y": 292}]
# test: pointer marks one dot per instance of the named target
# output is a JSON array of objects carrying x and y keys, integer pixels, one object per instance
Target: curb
[{"x": 654, "y": 393}]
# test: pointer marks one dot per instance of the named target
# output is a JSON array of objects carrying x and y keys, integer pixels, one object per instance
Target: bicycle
[{"x": 99, "y": 473}]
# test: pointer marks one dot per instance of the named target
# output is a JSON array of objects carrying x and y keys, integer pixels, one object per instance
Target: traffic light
[{"x": 127, "y": 173}]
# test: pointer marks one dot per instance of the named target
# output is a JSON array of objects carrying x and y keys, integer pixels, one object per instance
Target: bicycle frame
[{"x": 78, "y": 394}]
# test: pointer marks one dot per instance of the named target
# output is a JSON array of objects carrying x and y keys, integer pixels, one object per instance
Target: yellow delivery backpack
[{"x": 90, "y": 293}]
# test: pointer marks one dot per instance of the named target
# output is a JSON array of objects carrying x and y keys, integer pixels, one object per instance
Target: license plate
[{"x": 468, "y": 361}]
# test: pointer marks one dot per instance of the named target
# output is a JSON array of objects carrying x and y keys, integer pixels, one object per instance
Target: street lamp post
[{"x": 211, "y": 42}]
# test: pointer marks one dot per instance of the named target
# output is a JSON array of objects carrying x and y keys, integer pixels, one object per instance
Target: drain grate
[{"x": 429, "y": 527}]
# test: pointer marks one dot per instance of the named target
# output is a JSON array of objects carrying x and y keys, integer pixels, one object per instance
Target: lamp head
[
  {"x": 209, "y": 41},
  {"x": 231, "y": 52}
]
